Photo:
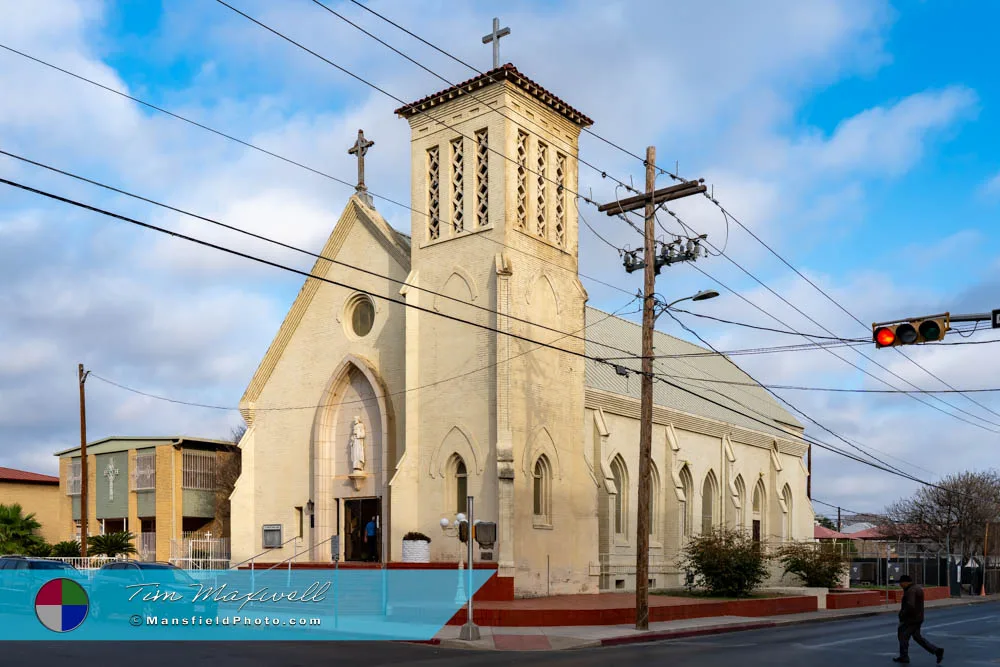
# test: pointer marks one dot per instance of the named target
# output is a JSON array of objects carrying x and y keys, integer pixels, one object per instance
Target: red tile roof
[
  {"x": 11, "y": 475},
  {"x": 504, "y": 73},
  {"x": 824, "y": 533}
]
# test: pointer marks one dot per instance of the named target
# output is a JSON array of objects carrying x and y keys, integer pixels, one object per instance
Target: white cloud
[{"x": 718, "y": 89}]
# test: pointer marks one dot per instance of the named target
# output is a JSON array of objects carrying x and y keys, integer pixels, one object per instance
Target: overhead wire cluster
[{"x": 689, "y": 235}]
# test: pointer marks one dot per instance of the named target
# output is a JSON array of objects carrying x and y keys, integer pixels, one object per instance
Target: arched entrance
[{"x": 348, "y": 480}]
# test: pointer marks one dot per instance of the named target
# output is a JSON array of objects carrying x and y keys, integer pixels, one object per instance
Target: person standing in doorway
[
  {"x": 911, "y": 617},
  {"x": 370, "y": 541}
]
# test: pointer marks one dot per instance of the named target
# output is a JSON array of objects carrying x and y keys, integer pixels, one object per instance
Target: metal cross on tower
[
  {"x": 360, "y": 148},
  {"x": 495, "y": 38}
]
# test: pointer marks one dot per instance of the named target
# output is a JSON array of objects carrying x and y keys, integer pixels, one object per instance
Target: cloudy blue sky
[{"x": 858, "y": 139}]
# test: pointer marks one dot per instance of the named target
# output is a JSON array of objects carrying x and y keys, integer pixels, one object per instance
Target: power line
[
  {"x": 790, "y": 405},
  {"x": 478, "y": 71},
  {"x": 301, "y": 165},
  {"x": 844, "y": 390},
  {"x": 282, "y": 244},
  {"x": 469, "y": 93},
  {"x": 854, "y": 317},
  {"x": 268, "y": 262},
  {"x": 866, "y": 372},
  {"x": 405, "y": 104},
  {"x": 781, "y": 331},
  {"x": 839, "y": 507},
  {"x": 762, "y": 284},
  {"x": 390, "y": 299},
  {"x": 710, "y": 197},
  {"x": 810, "y": 440},
  {"x": 351, "y": 402}
]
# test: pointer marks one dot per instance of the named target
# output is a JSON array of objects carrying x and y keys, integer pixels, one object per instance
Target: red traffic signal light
[
  {"x": 917, "y": 330},
  {"x": 884, "y": 336}
]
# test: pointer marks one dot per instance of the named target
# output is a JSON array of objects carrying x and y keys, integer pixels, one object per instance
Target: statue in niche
[{"x": 357, "y": 445}]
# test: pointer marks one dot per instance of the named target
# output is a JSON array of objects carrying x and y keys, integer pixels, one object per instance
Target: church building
[{"x": 456, "y": 361}]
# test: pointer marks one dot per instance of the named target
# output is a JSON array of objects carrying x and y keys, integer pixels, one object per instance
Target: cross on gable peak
[{"x": 360, "y": 149}]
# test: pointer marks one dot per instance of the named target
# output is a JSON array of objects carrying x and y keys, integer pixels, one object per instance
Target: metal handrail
[
  {"x": 296, "y": 555},
  {"x": 253, "y": 558}
]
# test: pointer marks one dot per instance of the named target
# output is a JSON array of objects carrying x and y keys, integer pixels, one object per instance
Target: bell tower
[{"x": 495, "y": 238}]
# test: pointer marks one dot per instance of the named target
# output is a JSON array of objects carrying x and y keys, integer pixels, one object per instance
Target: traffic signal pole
[{"x": 648, "y": 201}]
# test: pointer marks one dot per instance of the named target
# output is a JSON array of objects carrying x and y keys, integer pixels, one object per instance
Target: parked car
[
  {"x": 22, "y": 576},
  {"x": 111, "y": 580}
]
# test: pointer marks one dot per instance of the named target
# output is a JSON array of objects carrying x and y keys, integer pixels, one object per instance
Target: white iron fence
[
  {"x": 195, "y": 551},
  {"x": 88, "y": 564},
  {"x": 147, "y": 546}
]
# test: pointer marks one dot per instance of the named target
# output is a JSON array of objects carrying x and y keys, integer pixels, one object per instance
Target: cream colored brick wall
[
  {"x": 441, "y": 379},
  {"x": 701, "y": 453},
  {"x": 278, "y": 468}
]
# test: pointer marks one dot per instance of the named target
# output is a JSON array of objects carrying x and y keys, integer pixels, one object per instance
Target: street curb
[
  {"x": 725, "y": 629},
  {"x": 679, "y": 634},
  {"x": 666, "y": 635}
]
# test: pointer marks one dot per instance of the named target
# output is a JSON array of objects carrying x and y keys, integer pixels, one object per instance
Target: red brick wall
[
  {"x": 854, "y": 599},
  {"x": 524, "y": 616}
]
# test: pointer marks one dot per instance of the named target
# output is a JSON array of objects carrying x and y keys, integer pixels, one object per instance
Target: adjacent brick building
[{"x": 165, "y": 490}]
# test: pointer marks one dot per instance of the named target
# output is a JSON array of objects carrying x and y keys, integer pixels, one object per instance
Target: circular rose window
[{"x": 362, "y": 316}]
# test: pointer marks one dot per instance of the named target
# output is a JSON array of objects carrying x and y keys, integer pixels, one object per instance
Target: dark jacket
[{"x": 912, "y": 609}]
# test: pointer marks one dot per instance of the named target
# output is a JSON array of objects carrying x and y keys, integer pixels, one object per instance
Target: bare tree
[
  {"x": 960, "y": 510},
  {"x": 227, "y": 472}
]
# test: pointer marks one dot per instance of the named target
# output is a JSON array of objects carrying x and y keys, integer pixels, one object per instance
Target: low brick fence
[{"x": 837, "y": 599}]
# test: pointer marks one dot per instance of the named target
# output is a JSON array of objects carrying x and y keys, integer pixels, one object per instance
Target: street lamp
[{"x": 703, "y": 295}]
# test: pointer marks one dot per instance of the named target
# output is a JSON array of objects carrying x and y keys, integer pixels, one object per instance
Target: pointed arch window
[
  {"x": 686, "y": 510},
  {"x": 741, "y": 498},
  {"x": 458, "y": 478},
  {"x": 542, "y": 490},
  {"x": 759, "y": 503},
  {"x": 654, "y": 501},
  {"x": 709, "y": 491},
  {"x": 786, "y": 527},
  {"x": 620, "y": 475}
]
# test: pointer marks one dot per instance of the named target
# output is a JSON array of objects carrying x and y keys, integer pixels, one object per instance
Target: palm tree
[
  {"x": 111, "y": 544},
  {"x": 67, "y": 549},
  {"x": 17, "y": 530}
]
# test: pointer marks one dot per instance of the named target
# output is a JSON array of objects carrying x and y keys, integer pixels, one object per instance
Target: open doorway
[{"x": 359, "y": 545}]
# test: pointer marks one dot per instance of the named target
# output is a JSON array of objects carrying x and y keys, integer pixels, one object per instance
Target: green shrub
[
  {"x": 111, "y": 544},
  {"x": 817, "y": 565},
  {"x": 725, "y": 563},
  {"x": 40, "y": 549},
  {"x": 67, "y": 549}
]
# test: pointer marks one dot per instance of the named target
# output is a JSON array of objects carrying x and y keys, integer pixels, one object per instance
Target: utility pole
[
  {"x": 651, "y": 264},
  {"x": 83, "y": 463}
]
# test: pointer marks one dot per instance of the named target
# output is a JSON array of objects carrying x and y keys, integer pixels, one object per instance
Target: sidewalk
[{"x": 556, "y": 638}]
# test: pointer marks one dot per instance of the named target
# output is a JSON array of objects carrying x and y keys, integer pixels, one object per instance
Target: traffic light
[{"x": 911, "y": 332}]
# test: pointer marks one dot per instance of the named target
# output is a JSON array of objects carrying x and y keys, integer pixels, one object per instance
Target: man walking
[
  {"x": 911, "y": 617},
  {"x": 370, "y": 541}
]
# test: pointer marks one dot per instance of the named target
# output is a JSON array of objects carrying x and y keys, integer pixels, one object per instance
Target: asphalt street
[{"x": 969, "y": 634}]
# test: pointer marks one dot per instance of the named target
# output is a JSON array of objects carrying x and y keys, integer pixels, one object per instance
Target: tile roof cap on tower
[{"x": 503, "y": 73}]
